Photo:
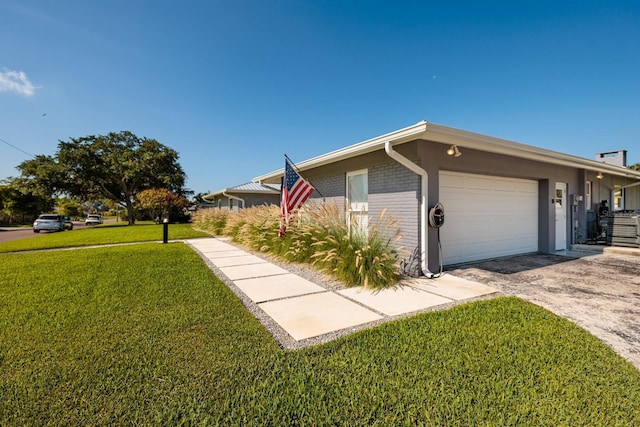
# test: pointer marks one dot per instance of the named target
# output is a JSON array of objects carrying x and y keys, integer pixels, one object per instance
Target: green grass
[
  {"x": 101, "y": 235},
  {"x": 150, "y": 336}
]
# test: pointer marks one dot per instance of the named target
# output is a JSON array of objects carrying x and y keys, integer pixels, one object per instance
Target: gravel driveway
[{"x": 601, "y": 293}]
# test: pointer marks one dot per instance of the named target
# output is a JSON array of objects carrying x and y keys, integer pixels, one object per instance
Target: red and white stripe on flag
[{"x": 295, "y": 191}]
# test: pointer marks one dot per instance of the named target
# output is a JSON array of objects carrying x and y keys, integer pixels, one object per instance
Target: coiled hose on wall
[{"x": 436, "y": 220}]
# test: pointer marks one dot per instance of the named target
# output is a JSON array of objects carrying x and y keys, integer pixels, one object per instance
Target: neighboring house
[
  {"x": 244, "y": 196},
  {"x": 499, "y": 197}
]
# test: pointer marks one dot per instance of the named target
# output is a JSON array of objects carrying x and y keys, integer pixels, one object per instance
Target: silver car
[
  {"x": 93, "y": 220},
  {"x": 49, "y": 222}
]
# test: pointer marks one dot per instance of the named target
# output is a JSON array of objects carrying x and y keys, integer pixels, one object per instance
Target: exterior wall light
[
  {"x": 599, "y": 176},
  {"x": 454, "y": 151}
]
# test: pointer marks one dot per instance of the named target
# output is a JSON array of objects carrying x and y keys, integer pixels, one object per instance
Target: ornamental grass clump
[
  {"x": 357, "y": 257},
  {"x": 317, "y": 228},
  {"x": 255, "y": 227},
  {"x": 318, "y": 235},
  {"x": 211, "y": 220}
]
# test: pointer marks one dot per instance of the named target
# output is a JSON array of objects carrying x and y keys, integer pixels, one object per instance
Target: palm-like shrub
[{"x": 318, "y": 235}]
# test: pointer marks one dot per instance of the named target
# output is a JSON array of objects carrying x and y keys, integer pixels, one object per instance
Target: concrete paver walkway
[{"x": 306, "y": 310}]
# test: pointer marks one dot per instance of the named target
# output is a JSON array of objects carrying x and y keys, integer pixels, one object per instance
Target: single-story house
[
  {"x": 244, "y": 196},
  {"x": 498, "y": 197}
]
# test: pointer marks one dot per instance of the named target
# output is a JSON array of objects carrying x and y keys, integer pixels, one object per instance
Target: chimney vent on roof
[{"x": 617, "y": 158}]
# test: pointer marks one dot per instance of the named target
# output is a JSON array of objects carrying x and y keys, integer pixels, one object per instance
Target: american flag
[{"x": 295, "y": 191}]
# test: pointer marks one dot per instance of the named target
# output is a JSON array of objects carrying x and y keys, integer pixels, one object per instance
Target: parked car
[
  {"x": 49, "y": 222},
  {"x": 93, "y": 219},
  {"x": 68, "y": 224}
]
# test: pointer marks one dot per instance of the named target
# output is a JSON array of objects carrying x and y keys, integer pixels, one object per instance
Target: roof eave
[
  {"x": 465, "y": 139},
  {"x": 402, "y": 135},
  {"x": 232, "y": 190}
]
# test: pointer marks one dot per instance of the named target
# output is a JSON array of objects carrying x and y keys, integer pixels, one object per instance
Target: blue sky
[{"x": 234, "y": 85}]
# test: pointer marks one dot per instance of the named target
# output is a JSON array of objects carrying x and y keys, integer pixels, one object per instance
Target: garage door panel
[
  {"x": 487, "y": 216},
  {"x": 457, "y": 181},
  {"x": 505, "y": 186}
]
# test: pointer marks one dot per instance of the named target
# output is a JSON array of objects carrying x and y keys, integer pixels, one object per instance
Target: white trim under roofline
[
  {"x": 267, "y": 191},
  {"x": 464, "y": 139},
  {"x": 403, "y": 135}
]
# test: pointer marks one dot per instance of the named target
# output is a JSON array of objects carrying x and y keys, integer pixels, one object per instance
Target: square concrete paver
[
  {"x": 213, "y": 255},
  {"x": 316, "y": 314},
  {"x": 230, "y": 261},
  {"x": 276, "y": 287},
  {"x": 249, "y": 271},
  {"x": 453, "y": 287},
  {"x": 208, "y": 245},
  {"x": 393, "y": 302}
]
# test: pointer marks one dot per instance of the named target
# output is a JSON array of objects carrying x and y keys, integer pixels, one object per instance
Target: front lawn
[
  {"x": 148, "y": 335},
  {"x": 102, "y": 235}
]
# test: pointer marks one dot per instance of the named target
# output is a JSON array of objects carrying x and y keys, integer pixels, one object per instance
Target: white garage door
[{"x": 487, "y": 216}]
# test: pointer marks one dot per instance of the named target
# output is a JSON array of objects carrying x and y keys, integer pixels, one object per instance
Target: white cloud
[{"x": 16, "y": 81}]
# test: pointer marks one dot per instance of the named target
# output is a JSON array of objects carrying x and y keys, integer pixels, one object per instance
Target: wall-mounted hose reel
[
  {"x": 436, "y": 220},
  {"x": 436, "y": 216}
]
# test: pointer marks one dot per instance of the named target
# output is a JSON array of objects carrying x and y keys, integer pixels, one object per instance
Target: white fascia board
[
  {"x": 227, "y": 191},
  {"x": 265, "y": 191},
  {"x": 461, "y": 138},
  {"x": 403, "y": 135},
  {"x": 217, "y": 193}
]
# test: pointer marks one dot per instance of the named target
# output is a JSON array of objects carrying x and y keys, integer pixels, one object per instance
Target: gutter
[
  {"x": 234, "y": 198},
  {"x": 424, "y": 189}
]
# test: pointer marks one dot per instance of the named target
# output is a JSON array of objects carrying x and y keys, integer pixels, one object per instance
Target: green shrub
[{"x": 318, "y": 235}]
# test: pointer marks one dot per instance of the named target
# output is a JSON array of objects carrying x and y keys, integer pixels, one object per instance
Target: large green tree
[
  {"x": 115, "y": 167},
  {"x": 20, "y": 205}
]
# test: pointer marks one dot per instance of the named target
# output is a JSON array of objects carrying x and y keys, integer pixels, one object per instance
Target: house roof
[
  {"x": 248, "y": 188},
  {"x": 463, "y": 139}
]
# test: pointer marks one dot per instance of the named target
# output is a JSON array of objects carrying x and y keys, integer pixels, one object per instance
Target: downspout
[
  {"x": 235, "y": 198},
  {"x": 424, "y": 188}
]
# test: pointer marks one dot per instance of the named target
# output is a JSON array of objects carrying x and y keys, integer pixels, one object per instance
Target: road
[{"x": 8, "y": 234}]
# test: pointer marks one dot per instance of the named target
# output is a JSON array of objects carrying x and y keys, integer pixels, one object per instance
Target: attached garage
[
  {"x": 504, "y": 198},
  {"x": 487, "y": 216}
]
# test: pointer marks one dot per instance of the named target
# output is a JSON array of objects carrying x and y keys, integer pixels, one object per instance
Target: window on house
[
  {"x": 358, "y": 200},
  {"x": 587, "y": 197}
]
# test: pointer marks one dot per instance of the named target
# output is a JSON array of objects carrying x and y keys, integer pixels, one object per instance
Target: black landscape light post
[{"x": 165, "y": 230}]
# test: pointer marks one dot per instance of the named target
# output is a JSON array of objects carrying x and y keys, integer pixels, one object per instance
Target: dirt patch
[{"x": 601, "y": 293}]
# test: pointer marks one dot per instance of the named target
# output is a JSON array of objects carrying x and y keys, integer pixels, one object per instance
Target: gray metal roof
[
  {"x": 248, "y": 188},
  {"x": 254, "y": 187}
]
